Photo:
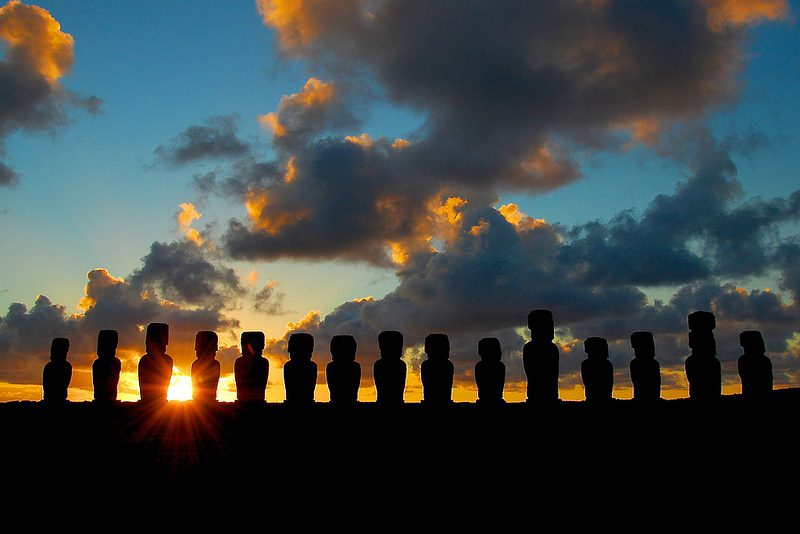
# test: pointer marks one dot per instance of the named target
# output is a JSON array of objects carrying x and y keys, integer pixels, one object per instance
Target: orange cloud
[
  {"x": 739, "y": 12},
  {"x": 259, "y": 205},
  {"x": 295, "y": 23},
  {"x": 314, "y": 94},
  {"x": 185, "y": 217},
  {"x": 516, "y": 217},
  {"x": 34, "y": 33},
  {"x": 99, "y": 282}
]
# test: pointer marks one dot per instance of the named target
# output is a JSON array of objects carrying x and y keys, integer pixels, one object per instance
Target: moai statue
[
  {"x": 645, "y": 371},
  {"x": 703, "y": 370},
  {"x": 343, "y": 373},
  {"x": 57, "y": 373},
  {"x": 300, "y": 372},
  {"x": 437, "y": 371},
  {"x": 755, "y": 367},
  {"x": 205, "y": 369},
  {"x": 106, "y": 368},
  {"x": 251, "y": 369},
  {"x": 490, "y": 372},
  {"x": 390, "y": 370},
  {"x": 155, "y": 367},
  {"x": 540, "y": 358},
  {"x": 597, "y": 372}
]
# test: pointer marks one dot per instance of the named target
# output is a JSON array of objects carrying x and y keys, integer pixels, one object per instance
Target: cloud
[
  {"x": 497, "y": 264},
  {"x": 269, "y": 300},
  {"x": 216, "y": 138},
  {"x": 507, "y": 95},
  {"x": 185, "y": 217},
  {"x": 185, "y": 272},
  {"x": 37, "y": 54},
  {"x": 109, "y": 302}
]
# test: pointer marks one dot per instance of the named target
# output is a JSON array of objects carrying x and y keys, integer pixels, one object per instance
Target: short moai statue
[
  {"x": 205, "y": 368},
  {"x": 155, "y": 367},
  {"x": 57, "y": 373},
  {"x": 597, "y": 372},
  {"x": 343, "y": 373},
  {"x": 437, "y": 371},
  {"x": 106, "y": 368},
  {"x": 300, "y": 372},
  {"x": 251, "y": 369},
  {"x": 540, "y": 358},
  {"x": 755, "y": 367},
  {"x": 645, "y": 370},
  {"x": 490, "y": 372},
  {"x": 703, "y": 369},
  {"x": 390, "y": 369}
]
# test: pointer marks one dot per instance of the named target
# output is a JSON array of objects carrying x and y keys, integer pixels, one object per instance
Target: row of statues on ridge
[{"x": 343, "y": 373}]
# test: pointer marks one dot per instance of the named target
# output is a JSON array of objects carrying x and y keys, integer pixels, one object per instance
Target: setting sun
[{"x": 180, "y": 387}]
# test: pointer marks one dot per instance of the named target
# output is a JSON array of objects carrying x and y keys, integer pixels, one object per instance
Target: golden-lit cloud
[
  {"x": 188, "y": 214},
  {"x": 252, "y": 277},
  {"x": 520, "y": 220},
  {"x": 33, "y": 32},
  {"x": 296, "y": 23},
  {"x": 268, "y": 217},
  {"x": 739, "y": 12},
  {"x": 314, "y": 96}
]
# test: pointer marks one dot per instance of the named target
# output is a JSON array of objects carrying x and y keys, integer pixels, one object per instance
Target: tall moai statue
[
  {"x": 755, "y": 367},
  {"x": 437, "y": 371},
  {"x": 540, "y": 358},
  {"x": 300, "y": 372},
  {"x": 703, "y": 370},
  {"x": 106, "y": 368},
  {"x": 57, "y": 373},
  {"x": 597, "y": 372},
  {"x": 343, "y": 373},
  {"x": 205, "y": 368},
  {"x": 645, "y": 370},
  {"x": 251, "y": 369},
  {"x": 155, "y": 367},
  {"x": 389, "y": 370},
  {"x": 490, "y": 372}
]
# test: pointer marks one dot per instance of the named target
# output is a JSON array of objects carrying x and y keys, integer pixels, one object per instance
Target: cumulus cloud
[
  {"x": 507, "y": 93},
  {"x": 185, "y": 272},
  {"x": 36, "y": 55},
  {"x": 214, "y": 139},
  {"x": 109, "y": 302},
  {"x": 498, "y": 264}
]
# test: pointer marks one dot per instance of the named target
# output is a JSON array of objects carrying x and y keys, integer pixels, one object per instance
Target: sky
[{"x": 364, "y": 165}]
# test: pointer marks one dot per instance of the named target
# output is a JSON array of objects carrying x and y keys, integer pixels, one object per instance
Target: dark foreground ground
[{"x": 673, "y": 465}]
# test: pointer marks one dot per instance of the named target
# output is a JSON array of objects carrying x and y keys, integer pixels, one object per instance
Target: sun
[{"x": 180, "y": 387}]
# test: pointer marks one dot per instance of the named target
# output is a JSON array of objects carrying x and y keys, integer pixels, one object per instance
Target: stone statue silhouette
[
  {"x": 300, "y": 372},
  {"x": 437, "y": 371},
  {"x": 597, "y": 372},
  {"x": 490, "y": 372},
  {"x": 390, "y": 370},
  {"x": 155, "y": 367},
  {"x": 645, "y": 370},
  {"x": 755, "y": 367},
  {"x": 251, "y": 369},
  {"x": 106, "y": 368},
  {"x": 703, "y": 369},
  {"x": 540, "y": 358},
  {"x": 57, "y": 373},
  {"x": 205, "y": 368},
  {"x": 343, "y": 373}
]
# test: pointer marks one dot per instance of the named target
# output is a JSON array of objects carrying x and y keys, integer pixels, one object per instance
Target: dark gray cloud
[
  {"x": 216, "y": 138},
  {"x": 36, "y": 54},
  {"x": 185, "y": 272},
  {"x": 269, "y": 300},
  {"x": 176, "y": 284}
]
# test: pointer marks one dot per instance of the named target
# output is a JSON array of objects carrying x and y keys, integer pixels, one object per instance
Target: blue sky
[{"x": 93, "y": 194}]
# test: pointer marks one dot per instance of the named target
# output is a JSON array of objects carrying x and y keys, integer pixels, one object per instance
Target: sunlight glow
[{"x": 180, "y": 387}]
